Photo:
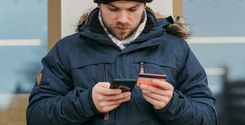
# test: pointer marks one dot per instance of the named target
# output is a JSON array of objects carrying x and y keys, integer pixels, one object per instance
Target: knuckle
[
  {"x": 170, "y": 86},
  {"x": 118, "y": 101},
  {"x": 119, "y": 96},
  {"x": 151, "y": 88},
  {"x": 170, "y": 94},
  {"x": 165, "y": 101},
  {"x": 123, "y": 100},
  {"x": 114, "y": 103},
  {"x": 162, "y": 104},
  {"x": 112, "y": 92},
  {"x": 99, "y": 97},
  {"x": 126, "y": 98},
  {"x": 125, "y": 95},
  {"x": 113, "y": 98},
  {"x": 98, "y": 84},
  {"x": 150, "y": 94}
]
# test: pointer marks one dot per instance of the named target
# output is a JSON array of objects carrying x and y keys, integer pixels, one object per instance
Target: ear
[{"x": 145, "y": 5}]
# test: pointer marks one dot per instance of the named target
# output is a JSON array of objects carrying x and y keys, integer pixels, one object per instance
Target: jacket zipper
[
  {"x": 105, "y": 79},
  {"x": 142, "y": 69},
  {"x": 105, "y": 74}
]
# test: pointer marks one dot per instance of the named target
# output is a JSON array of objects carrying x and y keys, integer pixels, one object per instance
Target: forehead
[{"x": 124, "y": 4}]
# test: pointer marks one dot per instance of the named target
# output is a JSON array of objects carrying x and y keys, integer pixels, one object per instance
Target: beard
[{"x": 122, "y": 31}]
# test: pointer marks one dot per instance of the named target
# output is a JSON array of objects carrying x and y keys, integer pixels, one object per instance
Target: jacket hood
[{"x": 92, "y": 29}]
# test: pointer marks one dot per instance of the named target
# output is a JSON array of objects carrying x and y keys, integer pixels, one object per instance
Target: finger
[
  {"x": 104, "y": 84},
  {"x": 153, "y": 95},
  {"x": 109, "y": 108},
  {"x": 162, "y": 84},
  {"x": 119, "y": 101},
  {"x": 153, "y": 89},
  {"x": 152, "y": 101},
  {"x": 115, "y": 102},
  {"x": 117, "y": 97},
  {"x": 108, "y": 91}
]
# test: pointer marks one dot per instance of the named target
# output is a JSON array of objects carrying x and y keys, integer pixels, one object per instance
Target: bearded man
[{"x": 122, "y": 39}]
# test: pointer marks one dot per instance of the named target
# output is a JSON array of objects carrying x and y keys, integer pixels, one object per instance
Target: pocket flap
[
  {"x": 92, "y": 61},
  {"x": 157, "y": 61}
]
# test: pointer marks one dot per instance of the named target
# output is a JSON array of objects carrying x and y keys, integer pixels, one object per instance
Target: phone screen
[{"x": 124, "y": 84}]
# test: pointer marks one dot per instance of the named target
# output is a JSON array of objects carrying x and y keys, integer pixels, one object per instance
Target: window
[{"x": 23, "y": 43}]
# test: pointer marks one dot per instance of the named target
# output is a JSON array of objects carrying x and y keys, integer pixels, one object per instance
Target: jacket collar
[{"x": 93, "y": 30}]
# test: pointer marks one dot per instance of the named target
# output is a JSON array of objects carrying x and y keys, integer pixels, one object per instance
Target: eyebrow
[{"x": 128, "y": 8}]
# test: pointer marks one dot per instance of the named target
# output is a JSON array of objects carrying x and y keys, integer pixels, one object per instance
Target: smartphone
[
  {"x": 146, "y": 79},
  {"x": 126, "y": 85}
]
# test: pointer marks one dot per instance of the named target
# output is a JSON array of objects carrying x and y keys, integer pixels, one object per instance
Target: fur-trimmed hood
[{"x": 177, "y": 28}]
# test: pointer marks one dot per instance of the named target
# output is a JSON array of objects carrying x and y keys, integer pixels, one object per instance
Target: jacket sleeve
[
  {"x": 55, "y": 101},
  {"x": 192, "y": 102}
]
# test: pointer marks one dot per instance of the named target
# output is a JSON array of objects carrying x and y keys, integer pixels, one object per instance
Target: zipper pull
[
  {"x": 107, "y": 116},
  {"x": 142, "y": 68}
]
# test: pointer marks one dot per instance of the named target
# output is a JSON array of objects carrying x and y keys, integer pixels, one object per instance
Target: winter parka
[{"x": 78, "y": 62}]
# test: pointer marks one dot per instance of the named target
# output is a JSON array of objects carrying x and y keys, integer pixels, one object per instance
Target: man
[{"x": 119, "y": 40}]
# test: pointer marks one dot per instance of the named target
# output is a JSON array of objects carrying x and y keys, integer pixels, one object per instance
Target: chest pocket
[
  {"x": 154, "y": 66},
  {"x": 86, "y": 73},
  {"x": 159, "y": 66}
]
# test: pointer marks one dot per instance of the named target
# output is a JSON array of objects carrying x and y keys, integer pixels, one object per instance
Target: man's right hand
[{"x": 106, "y": 99}]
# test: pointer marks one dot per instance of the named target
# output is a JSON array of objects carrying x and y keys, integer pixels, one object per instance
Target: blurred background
[{"x": 29, "y": 28}]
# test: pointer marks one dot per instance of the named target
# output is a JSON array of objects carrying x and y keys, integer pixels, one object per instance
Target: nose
[{"x": 122, "y": 17}]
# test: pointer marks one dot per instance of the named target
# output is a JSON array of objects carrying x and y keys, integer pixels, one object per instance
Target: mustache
[
  {"x": 127, "y": 25},
  {"x": 122, "y": 26}
]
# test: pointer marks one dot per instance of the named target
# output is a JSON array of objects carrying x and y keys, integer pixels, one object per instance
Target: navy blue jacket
[{"x": 78, "y": 62}]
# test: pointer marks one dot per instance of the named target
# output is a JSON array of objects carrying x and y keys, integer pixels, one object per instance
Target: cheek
[
  {"x": 109, "y": 19},
  {"x": 136, "y": 18},
  {"x": 135, "y": 21}
]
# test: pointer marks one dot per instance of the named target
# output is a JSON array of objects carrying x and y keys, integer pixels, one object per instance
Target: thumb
[{"x": 104, "y": 84}]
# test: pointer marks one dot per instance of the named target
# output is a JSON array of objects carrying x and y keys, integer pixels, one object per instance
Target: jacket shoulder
[
  {"x": 176, "y": 48},
  {"x": 69, "y": 39},
  {"x": 66, "y": 47},
  {"x": 176, "y": 42},
  {"x": 70, "y": 43}
]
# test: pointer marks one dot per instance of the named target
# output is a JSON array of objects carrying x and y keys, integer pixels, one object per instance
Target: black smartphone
[{"x": 124, "y": 84}]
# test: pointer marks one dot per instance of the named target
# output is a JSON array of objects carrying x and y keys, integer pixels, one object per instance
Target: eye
[
  {"x": 112, "y": 9},
  {"x": 132, "y": 9}
]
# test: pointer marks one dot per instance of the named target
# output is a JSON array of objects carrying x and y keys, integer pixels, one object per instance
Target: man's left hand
[{"x": 158, "y": 97}]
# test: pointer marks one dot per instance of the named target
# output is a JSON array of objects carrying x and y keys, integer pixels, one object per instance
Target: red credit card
[{"x": 146, "y": 79}]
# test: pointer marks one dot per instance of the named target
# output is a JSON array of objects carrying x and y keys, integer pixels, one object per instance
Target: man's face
[{"x": 122, "y": 18}]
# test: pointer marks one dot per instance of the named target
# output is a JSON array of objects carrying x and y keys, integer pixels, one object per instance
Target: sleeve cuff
[
  {"x": 170, "y": 107},
  {"x": 87, "y": 104},
  {"x": 90, "y": 99}
]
